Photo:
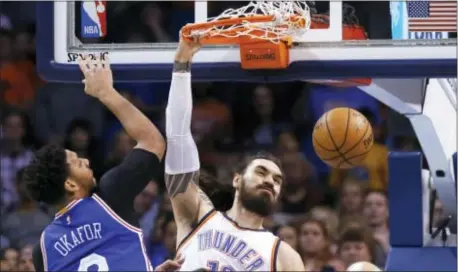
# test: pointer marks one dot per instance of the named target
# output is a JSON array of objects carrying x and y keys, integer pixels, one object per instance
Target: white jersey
[{"x": 219, "y": 244}]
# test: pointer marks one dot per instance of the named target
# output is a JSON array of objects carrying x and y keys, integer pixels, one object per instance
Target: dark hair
[
  {"x": 79, "y": 123},
  {"x": 46, "y": 174},
  {"x": 28, "y": 139},
  {"x": 242, "y": 166},
  {"x": 220, "y": 194},
  {"x": 325, "y": 255},
  {"x": 357, "y": 234}
]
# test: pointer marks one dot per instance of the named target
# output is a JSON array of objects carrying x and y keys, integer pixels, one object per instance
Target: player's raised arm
[
  {"x": 288, "y": 259},
  {"x": 99, "y": 84},
  {"x": 119, "y": 186},
  {"x": 182, "y": 158}
]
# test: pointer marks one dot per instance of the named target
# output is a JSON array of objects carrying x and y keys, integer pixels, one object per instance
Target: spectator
[
  {"x": 356, "y": 245},
  {"x": 16, "y": 154},
  {"x": 10, "y": 258},
  {"x": 24, "y": 225},
  {"x": 438, "y": 213},
  {"x": 162, "y": 244},
  {"x": 80, "y": 138},
  {"x": 20, "y": 72},
  {"x": 146, "y": 205},
  {"x": 350, "y": 198},
  {"x": 211, "y": 123},
  {"x": 154, "y": 18},
  {"x": 5, "y": 266},
  {"x": 300, "y": 191},
  {"x": 122, "y": 145},
  {"x": 375, "y": 212},
  {"x": 57, "y": 104},
  {"x": 287, "y": 143},
  {"x": 288, "y": 234},
  {"x": 329, "y": 217},
  {"x": 314, "y": 244},
  {"x": 261, "y": 127},
  {"x": 351, "y": 221},
  {"x": 25, "y": 259}
]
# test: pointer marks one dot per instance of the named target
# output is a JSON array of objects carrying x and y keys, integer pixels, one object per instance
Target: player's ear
[
  {"x": 236, "y": 180},
  {"x": 71, "y": 186}
]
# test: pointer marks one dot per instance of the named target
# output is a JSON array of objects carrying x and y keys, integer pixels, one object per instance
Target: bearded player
[
  {"x": 232, "y": 241},
  {"x": 96, "y": 228}
]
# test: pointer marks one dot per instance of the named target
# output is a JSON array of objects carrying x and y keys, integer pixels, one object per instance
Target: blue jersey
[{"x": 89, "y": 236}]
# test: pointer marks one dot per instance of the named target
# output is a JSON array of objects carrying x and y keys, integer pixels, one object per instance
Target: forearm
[
  {"x": 182, "y": 155},
  {"x": 182, "y": 158},
  {"x": 136, "y": 124}
]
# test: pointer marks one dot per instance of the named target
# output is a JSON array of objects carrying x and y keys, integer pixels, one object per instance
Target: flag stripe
[{"x": 432, "y": 15}]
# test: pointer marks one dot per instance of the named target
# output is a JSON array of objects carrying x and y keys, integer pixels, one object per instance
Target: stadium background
[{"x": 229, "y": 119}]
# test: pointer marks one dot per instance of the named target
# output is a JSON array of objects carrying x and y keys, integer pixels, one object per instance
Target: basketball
[{"x": 342, "y": 138}]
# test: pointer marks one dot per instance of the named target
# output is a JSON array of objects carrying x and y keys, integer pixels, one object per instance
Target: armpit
[{"x": 205, "y": 198}]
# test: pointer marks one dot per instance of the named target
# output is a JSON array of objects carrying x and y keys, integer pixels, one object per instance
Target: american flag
[{"x": 432, "y": 15}]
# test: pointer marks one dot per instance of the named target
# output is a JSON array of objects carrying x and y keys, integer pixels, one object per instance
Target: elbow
[{"x": 154, "y": 144}]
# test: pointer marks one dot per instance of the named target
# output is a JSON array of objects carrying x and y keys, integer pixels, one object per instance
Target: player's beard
[{"x": 260, "y": 204}]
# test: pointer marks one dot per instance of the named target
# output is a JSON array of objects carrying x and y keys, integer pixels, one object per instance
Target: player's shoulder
[{"x": 288, "y": 258}]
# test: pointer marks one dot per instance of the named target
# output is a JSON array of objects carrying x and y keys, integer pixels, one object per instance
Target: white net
[{"x": 282, "y": 25}]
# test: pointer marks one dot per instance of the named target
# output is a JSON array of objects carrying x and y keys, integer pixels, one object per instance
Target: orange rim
[{"x": 231, "y": 36}]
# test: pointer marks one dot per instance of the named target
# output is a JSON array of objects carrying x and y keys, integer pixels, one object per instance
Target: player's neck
[
  {"x": 61, "y": 207},
  {"x": 245, "y": 218}
]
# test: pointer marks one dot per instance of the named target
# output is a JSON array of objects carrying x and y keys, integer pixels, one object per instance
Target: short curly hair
[
  {"x": 243, "y": 164},
  {"x": 46, "y": 174}
]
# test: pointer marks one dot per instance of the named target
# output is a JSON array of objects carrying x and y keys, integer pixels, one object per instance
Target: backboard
[{"x": 319, "y": 54}]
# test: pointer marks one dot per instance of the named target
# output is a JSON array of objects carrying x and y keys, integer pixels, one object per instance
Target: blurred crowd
[{"x": 331, "y": 217}]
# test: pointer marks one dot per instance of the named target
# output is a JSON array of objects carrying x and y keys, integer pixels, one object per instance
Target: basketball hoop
[{"x": 263, "y": 29}]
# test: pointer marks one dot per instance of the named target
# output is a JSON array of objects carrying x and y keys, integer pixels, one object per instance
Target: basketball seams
[
  {"x": 325, "y": 140},
  {"x": 332, "y": 139},
  {"x": 322, "y": 147},
  {"x": 359, "y": 155},
  {"x": 359, "y": 141},
  {"x": 346, "y": 129}
]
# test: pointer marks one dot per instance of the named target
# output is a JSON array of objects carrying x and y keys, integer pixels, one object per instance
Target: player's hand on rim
[
  {"x": 187, "y": 49},
  {"x": 98, "y": 78}
]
